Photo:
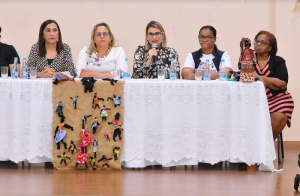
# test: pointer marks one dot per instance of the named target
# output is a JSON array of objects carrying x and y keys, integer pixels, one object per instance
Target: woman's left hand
[{"x": 262, "y": 80}]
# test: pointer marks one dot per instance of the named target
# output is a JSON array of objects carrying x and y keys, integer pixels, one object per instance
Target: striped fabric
[{"x": 282, "y": 102}]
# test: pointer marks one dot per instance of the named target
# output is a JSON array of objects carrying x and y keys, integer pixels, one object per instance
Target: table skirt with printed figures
[{"x": 87, "y": 126}]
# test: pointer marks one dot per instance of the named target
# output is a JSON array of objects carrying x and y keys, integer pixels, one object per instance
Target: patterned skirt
[{"x": 282, "y": 103}]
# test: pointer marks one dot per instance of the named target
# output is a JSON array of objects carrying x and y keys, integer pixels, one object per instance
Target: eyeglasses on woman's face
[
  {"x": 202, "y": 38},
  {"x": 262, "y": 42},
  {"x": 99, "y": 34},
  {"x": 157, "y": 34}
]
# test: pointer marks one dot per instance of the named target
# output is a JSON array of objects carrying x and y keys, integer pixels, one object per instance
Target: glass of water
[
  {"x": 116, "y": 74},
  {"x": 198, "y": 74},
  {"x": 4, "y": 72},
  {"x": 161, "y": 72},
  {"x": 33, "y": 72}
]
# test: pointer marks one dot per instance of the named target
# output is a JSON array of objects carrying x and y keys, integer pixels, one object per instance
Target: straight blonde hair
[
  {"x": 92, "y": 47},
  {"x": 158, "y": 26}
]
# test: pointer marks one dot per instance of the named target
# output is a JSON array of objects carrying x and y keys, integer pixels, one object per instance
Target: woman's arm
[
  {"x": 98, "y": 75},
  {"x": 280, "y": 79},
  {"x": 69, "y": 65},
  {"x": 139, "y": 70},
  {"x": 273, "y": 83},
  {"x": 188, "y": 73},
  {"x": 121, "y": 59}
]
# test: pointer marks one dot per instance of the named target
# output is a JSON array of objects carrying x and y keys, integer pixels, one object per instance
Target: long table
[{"x": 165, "y": 122}]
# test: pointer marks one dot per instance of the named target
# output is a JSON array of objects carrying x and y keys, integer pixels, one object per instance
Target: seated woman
[
  {"x": 207, "y": 38},
  {"x": 102, "y": 56},
  {"x": 50, "y": 55},
  {"x": 7, "y": 55},
  {"x": 143, "y": 67},
  {"x": 273, "y": 73}
]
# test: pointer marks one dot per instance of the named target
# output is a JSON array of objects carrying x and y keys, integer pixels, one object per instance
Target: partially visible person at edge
[
  {"x": 102, "y": 56},
  {"x": 197, "y": 60},
  {"x": 272, "y": 71},
  {"x": 50, "y": 55},
  {"x": 7, "y": 55},
  {"x": 143, "y": 66}
]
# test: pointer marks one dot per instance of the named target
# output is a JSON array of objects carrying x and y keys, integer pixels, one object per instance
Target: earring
[
  {"x": 43, "y": 40},
  {"x": 57, "y": 40},
  {"x": 110, "y": 43}
]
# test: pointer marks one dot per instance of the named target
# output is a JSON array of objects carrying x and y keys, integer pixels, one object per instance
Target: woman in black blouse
[
  {"x": 143, "y": 67},
  {"x": 7, "y": 55},
  {"x": 273, "y": 73},
  {"x": 50, "y": 55}
]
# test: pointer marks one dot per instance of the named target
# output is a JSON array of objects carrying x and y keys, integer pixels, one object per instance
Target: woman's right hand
[
  {"x": 106, "y": 75},
  {"x": 152, "y": 52}
]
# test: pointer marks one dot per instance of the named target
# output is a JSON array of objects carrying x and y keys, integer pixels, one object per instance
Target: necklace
[{"x": 105, "y": 55}]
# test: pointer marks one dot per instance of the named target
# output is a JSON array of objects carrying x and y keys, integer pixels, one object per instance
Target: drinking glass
[
  {"x": 116, "y": 74},
  {"x": 33, "y": 72},
  {"x": 198, "y": 74},
  {"x": 4, "y": 72},
  {"x": 161, "y": 73}
]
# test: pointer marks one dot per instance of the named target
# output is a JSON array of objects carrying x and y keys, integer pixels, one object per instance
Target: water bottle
[
  {"x": 172, "y": 70},
  {"x": 14, "y": 71},
  {"x": 126, "y": 74},
  {"x": 206, "y": 74},
  {"x": 222, "y": 71},
  {"x": 24, "y": 69}
]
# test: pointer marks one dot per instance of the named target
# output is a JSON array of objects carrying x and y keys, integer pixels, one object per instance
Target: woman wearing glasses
[
  {"x": 273, "y": 73},
  {"x": 102, "y": 56},
  {"x": 143, "y": 64},
  {"x": 50, "y": 55},
  {"x": 196, "y": 60}
]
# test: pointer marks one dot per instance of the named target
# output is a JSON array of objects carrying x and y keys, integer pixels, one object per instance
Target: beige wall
[{"x": 182, "y": 19}]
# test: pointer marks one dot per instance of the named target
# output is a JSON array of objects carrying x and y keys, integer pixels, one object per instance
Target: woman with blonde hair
[
  {"x": 102, "y": 56},
  {"x": 143, "y": 65}
]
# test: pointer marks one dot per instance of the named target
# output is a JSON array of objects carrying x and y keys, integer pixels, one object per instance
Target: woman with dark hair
[
  {"x": 50, "y": 55},
  {"x": 7, "y": 55},
  {"x": 273, "y": 73},
  {"x": 196, "y": 60},
  {"x": 143, "y": 67},
  {"x": 102, "y": 56}
]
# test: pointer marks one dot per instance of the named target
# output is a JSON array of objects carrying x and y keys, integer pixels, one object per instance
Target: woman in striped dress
[{"x": 273, "y": 73}]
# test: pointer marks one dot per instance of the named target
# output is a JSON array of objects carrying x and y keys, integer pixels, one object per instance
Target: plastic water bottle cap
[
  {"x": 126, "y": 59},
  {"x": 24, "y": 59},
  {"x": 172, "y": 60},
  {"x": 223, "y": 60},
  {"x": 16, "y": 58},
  {"x": 207, "y": 60}
]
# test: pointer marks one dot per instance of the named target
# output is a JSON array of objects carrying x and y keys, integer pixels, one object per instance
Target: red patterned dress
[{"x": 278, "y": 100}]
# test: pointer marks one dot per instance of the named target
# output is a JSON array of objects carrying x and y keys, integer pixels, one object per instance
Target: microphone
[{"x": 154, "y": 57}]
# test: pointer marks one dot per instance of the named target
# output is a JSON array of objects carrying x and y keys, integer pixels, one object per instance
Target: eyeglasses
[
  {"x": 208, "y": 38},
  {"x": 262, "y": 42},
  {"x": 157, "y": 34},
  {"x": 99, "y": 34}
]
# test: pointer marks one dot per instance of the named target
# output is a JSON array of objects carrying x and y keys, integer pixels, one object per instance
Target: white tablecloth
[
  {"x": 165, "y": 122},
  {"x": 185, "y": 122},
  {"x": 25, "y": 120}
]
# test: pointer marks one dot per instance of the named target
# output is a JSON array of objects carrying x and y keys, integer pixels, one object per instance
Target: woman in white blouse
[{"x": 102, "y": 56}]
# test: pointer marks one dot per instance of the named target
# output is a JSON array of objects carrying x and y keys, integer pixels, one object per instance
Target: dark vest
[{"x": 217, "y": 54}]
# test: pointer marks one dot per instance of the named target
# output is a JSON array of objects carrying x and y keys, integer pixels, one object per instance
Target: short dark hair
[
  {"x": 214, "y": 31},
  {"x": 272, "y": 40},
  {"x": 41, "y": 43}
]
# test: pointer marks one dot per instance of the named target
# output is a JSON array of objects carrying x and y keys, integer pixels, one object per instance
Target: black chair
[{"x": 280, "y": 147}]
